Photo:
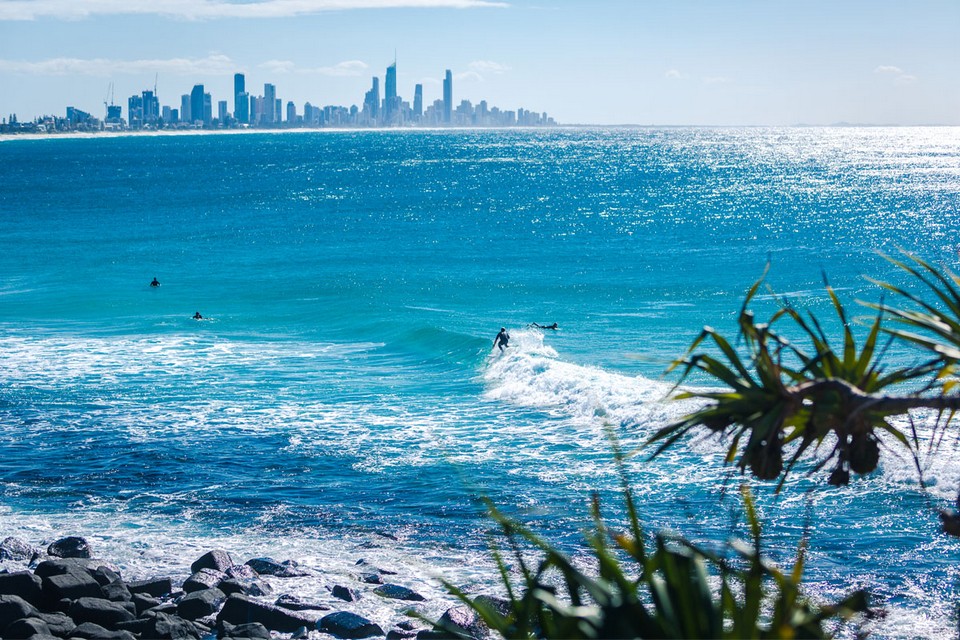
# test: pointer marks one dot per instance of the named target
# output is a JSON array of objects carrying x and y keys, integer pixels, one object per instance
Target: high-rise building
[
  {"x": 135, "y": 112},
  {"x": 418, "y": 102},
  {"x": 270, "y": 114},
  {"x": 371, "y": 102},
  {"x": 390, "y": 101},
  {"x": 196, "y": 103},
  {"x": 448, "y": 97},
  {"x": 242, "y": 106},
  {"x": 151, "y": 107},
  {"x": 222, "y": 111},
  {"x": 240, "y": 102},
  {"x": 292, "y": 113},
  {"x": 185, "y": 109},
  {"x": 207, "y": 109}
]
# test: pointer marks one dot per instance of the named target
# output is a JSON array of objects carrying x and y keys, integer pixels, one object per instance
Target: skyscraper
[
  {"x": 270, "y": 114},
  {"x": 241, "y": 102},
  {"x": 185, "y": 109},
  {"x": 448, "y": 97},
  {"x": 390, "y": 102},
  {"x": 371, "y": 102},
  {"x": 196, "y": 103},
  {"x": 418, "y": 102}
]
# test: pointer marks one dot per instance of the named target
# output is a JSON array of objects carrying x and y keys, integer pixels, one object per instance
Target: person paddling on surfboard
[
  {"x": 552, "y": 327},
  {"x": 155, "y": 283},
  {"x": 197, "y": 316},
  {"x": 502, "y": 340}
]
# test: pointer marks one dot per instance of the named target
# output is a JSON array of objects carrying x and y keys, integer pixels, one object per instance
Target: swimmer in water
[
  {"x": 197, "y": 316},
  {"x": 552, "y": 327},
  {"x": 155, "y": 283}
]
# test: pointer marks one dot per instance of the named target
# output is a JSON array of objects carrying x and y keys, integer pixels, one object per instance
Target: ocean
[{"x": 340, "y": 399}]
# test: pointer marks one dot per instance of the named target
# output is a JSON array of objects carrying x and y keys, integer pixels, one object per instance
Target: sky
[{"x": 643, "y": 62}]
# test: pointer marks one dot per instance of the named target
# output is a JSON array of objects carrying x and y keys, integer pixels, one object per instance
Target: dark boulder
[
  {"x": 61, "y": 566},
  {"x": 366, "y": 565},
  {"x": 26, "y": 628},
  {"x": 157, "y": 587},
  {"x": 203, "y": 579},
  {"x": 93, "y": 631},
  {"x": 253, "y": 630},
  {"x": 105, "y": 575},
  {"x": 400, "y": 634},
  {"x": 345, "y": 593},
  {"x": 162, "y": 626},
  {"x": 242, "y": 572},
  {"x": 458, "y": 622},
  {"x": 295, "y": 603},
  {"x": 143, "y": 601},
  {"x": 371, "y": 578},
  {"x": 270, "y": 567},
  {"x": 70, "y": 547},
  {"x": 13, "y": 608},
  {"x": 344, "y": 624},
  {"x": 240, "y": 609},
  {"x": 60, "y": 624},
  {"x": 98, "y": 611},
  {"x": 16, "y": 549},
  {"x": 116, "y": 591},
  {"x": 256, "y": 588},
  {"x": 218, "y": 560},
  {"x": 200, "y": 603},
  {"x": 398, "y": 592},
  {"x": 23, "y": 584},
  {"x": 71, "y": 586}
]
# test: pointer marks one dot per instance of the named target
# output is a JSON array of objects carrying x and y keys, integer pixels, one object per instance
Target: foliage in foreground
[
  {"x": 775, "y": 393},
  {"x": 675, "y": 589}
]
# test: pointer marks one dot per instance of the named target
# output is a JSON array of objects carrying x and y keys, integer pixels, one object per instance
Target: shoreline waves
[{"x": 69, "y": 590}]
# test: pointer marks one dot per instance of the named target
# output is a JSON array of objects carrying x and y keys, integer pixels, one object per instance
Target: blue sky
[{"x": 660, "y": 62}]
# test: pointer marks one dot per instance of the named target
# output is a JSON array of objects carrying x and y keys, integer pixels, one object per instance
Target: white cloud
[
  {"x": 212, "y": 9},
  {"x": 341, "y": 69},
  {"x": 468, "y": 77},
  {"x": 899, "y": 75},
  {"x": 674, "y": 74},
  {"x": 211, "y": 65},
  {"x": 488, "y": 66}
]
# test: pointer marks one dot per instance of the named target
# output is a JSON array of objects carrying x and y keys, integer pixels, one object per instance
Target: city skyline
[{"x": 608, "y": 62}]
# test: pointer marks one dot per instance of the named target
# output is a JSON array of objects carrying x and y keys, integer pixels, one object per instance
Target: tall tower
[
  {"x": 390, "y": 94},
  {"x": 240, "y": 102},
  {"x": 448, "y": 97},
  {"x": 196, "y": 103},
  {"x": 270, "y": 114},
  {"x": 418, "y": 101}
]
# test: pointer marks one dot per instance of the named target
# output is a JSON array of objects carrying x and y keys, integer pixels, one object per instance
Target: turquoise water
[{"x": 340, "y": 390}]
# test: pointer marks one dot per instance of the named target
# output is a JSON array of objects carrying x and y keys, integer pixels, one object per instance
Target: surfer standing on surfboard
[{"x": 502, "y": 340}]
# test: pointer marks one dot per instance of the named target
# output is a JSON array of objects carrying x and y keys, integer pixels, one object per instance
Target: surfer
[
  {"x": 552, "y": 327},
  {"x": 502, "y": 340},
  {"x": 155, "y": 283},
  {"x": 197, "y": 316}
]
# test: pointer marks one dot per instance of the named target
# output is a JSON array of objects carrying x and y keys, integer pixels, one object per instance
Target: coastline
[{"x": 214, "y": 589}]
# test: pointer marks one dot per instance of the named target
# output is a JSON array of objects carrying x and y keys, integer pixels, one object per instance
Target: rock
[
  {"x": 248, "y": 630},
  {"x": 98, "y": 611},
  {"x": 14, "y": 607},
  {"x": 158, "y": 587},
  {"x": 16, "y": 549},
  {"x": 345, "y": 593},
  {"x": 71, "y": 586},
  {"x": 242, "y": 572},
  {"x": 116, "y": 591},
  {"x": 398, "y": 592},
  {"x": 92, "y": 631},
  {"x": 363, "y": 563},
  {"x": 23, "y": 584},
  {"x": 105, "y": 575},
  {"x": 162, "y": 626},
  {"x": 200, "y": 603},
  {"x": 203, "y": 579},
  {"x": 61, "y": 566},
  {"x": 270, "y": 567},
  {"x": 295, "y": 603},
  {"x": 498, "y": 605},
  {"x": 218, "y": 560},
  {"x": 239, "y": 609},
  {"x": 26, "y": 628},
  {"x": 60, "y": 624},
  {"x": 400, "y": 634},
  {"x": 371, "y": 578},
  {"x": 459, "y": 622},
  {"x": 143, "y": 601},
  {"x": 344, "y": 624},
  {"x": 255, "y": 587},
  {"x": 70, "y": 547},
  {"x": 300, "y": 634}
]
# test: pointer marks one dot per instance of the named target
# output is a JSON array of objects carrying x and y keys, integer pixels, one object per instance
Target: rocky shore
[{"x": 65, "y": 592}]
